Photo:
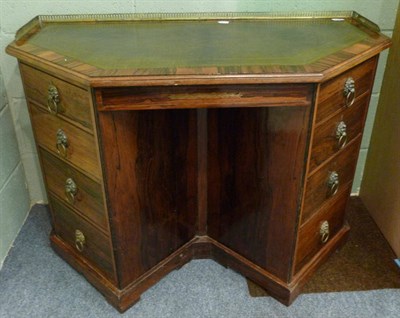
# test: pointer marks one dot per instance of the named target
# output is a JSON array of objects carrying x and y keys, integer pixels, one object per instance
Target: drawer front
[
  {"x": 73, "y": 102},
  {"x": 74, "y": 189},
  {"x": 331, "y": 179},
  {"x": 73, "y": 144},
  {"x": 332, "y": 97},
  {"x": 319, "y": 229},
  {"x": 204, "y": 96},
  {"x": 93, "y": 245},
  {"x": 340, "y": 130}
]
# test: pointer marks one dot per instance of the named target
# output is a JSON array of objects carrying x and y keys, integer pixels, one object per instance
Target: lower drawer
[
  {"x": 330, "y": 179},
  {"x": 320, "y": 228},
  {"x": 93, "y": 245},
  {"x": 74, "y": 189}
]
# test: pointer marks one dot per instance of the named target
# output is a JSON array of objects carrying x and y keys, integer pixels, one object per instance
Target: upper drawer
[
  {"x": 74, "y": 189},
  {"x": 332, "y": 96},
  {"x": 336, "y": 133},
  {"x": 73, "y": 102},
  {"x": 328, "y": 181},
  {"x": 66, "y": 141},
  {"x": 206, "y": 96}
]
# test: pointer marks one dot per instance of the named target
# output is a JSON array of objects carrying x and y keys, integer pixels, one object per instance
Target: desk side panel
[
  {"x": 256, "y": 161},
  {"x": 150, "y": 162}
]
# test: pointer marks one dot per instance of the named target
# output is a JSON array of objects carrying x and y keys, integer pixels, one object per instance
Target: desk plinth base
[{"x": 200, "y": 247}]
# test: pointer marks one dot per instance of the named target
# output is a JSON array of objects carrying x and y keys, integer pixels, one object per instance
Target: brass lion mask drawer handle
[
  {"x": 349, "y": 91},
  {"x": 324, "y": 231},
  {"x": 62, "y": 143},
  {"x": 341, "y": 134},
  {"x": 53, "y": 99},
  {"x": 80, "y": 240},
  {"x": 333, "y": 183},
  {"x": 70, "y": 190}
]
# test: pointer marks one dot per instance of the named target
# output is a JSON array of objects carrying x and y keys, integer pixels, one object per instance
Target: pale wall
[
  {"x": 14, "y": 195},
  {"x": 380, "y": 189},
  {"x": 15, "y": 13}
]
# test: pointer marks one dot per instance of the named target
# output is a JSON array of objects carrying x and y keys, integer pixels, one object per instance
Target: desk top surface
[{"x": 230, "y": 44}]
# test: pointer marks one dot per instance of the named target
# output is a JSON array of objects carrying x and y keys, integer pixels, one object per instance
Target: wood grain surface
[
  {"x": 325, "y": 142},
  {"x": 256, "y": 160},
  {"x": 151, "y": 181},
  {"x": 82, "y": 147},
  {"x": 317, "y": 189},
  {"x": 88, "y": 200},
  {"x": 74, "y": 101},
  {"x": 208, "y": 96},
  {"x": 331, "y": 97},
  {"x": 309, "y": 238},
  {"x": 97, "y": 249}
]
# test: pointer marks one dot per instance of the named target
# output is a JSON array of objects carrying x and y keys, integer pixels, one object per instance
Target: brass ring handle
[
  {"x": 342, "y": 141},
  {"x": 349, "y": 91},
  {"x": 333, "y": 183},
  {"x": 350, "y": 98},
  {"x": 80, "y": 240},
  {"x": 62, "y": 143},
  {"x": 341, "y": 134},
  {"x": 62, "y": 149},
  {"x": 324, "y": 231},
  {"x": 53, "y": 98},
  {"x": 70, "y": 190},
  {"x": 79, "y": 246}
]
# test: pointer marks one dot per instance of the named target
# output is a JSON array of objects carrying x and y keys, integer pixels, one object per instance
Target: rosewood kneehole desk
[{"x": 164, "y": 138}]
